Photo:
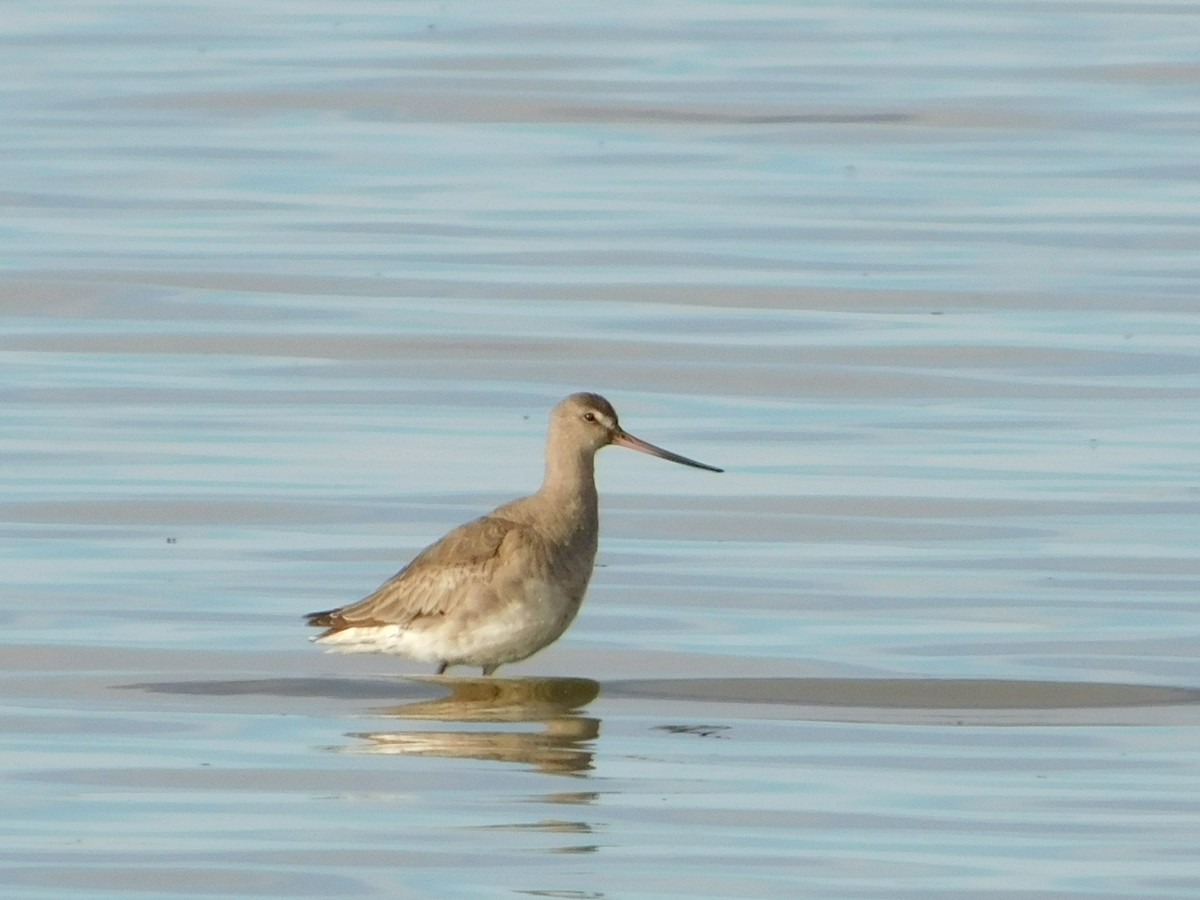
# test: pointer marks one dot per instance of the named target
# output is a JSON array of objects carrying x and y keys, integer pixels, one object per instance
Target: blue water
[{"x": 287, "y": 290}]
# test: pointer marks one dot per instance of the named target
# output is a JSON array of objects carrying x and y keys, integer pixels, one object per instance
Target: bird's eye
[{"x": 589, "y": 417}]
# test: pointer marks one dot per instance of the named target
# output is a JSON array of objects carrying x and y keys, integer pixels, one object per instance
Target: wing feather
[{"x": 429, "y": 585}]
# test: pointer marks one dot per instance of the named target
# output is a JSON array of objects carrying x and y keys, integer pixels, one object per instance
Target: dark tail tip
[{"x": 320, "y": 619}]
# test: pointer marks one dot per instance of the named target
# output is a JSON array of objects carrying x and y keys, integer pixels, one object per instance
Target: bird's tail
[{"x": 320, "y": 619}]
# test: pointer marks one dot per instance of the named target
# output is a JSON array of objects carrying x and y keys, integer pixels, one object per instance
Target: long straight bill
[{"x": 625, "y": 439}]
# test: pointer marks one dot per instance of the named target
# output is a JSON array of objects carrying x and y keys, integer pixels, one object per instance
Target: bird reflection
[{"x": 561, "y": 746}]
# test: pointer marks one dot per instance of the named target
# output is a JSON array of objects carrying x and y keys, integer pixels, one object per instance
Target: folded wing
[{"x": 438, "y": 577}]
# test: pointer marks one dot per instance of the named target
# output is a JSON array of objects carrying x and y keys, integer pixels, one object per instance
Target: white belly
[{"x": 486, "y": 635}]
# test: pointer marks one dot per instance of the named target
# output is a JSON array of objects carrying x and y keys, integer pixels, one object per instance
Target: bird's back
[
  {"x": 515, "y": 543},
  {"x": 435, "y": 578}
]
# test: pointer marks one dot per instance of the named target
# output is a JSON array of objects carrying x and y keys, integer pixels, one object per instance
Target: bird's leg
[
  {"x": 488, "y": 670},
  {"x": 441, "y": 670}
]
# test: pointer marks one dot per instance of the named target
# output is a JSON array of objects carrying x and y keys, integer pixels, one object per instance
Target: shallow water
[{"x": 287, "y": 290}]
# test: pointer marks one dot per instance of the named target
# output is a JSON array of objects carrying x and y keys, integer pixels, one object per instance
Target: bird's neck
[
  {"x": 570, "y": 474},
  {"x": 570, "y": 489}
]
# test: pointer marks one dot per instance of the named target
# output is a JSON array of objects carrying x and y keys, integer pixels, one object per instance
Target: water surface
[{"x": 287, "y": 291}]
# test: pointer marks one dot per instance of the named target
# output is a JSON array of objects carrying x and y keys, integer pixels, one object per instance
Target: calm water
[{"x": 287, "y": 290}]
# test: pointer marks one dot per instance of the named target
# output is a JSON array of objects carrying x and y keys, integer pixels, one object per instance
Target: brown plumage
[{"x": 499, "y": 588}]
